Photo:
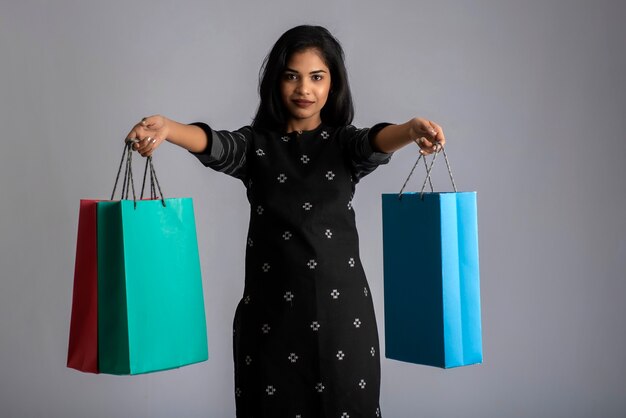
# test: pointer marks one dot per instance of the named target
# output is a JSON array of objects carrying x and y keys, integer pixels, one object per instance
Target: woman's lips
[{"x": 303, "y": 103}]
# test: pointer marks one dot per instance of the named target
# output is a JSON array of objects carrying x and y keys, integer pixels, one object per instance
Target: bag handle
[
  {"x": 128, "y": 182},
  {"x": 429, "y": 168},
  {"x": 153, "y": 180}
]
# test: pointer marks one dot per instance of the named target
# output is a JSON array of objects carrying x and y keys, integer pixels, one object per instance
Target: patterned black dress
[{"x": 305, "y": 336}]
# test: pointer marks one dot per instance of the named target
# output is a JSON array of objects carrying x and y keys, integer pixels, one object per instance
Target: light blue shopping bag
[{"x": 431, "y": 278}]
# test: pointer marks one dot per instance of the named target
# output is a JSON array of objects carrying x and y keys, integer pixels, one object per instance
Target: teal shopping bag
[
  {"x": 150, "y": 300},
  {"x": 431, "y": 278}
]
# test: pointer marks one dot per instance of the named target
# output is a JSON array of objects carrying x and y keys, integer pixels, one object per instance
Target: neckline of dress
[{"x": 303, "y": 132}]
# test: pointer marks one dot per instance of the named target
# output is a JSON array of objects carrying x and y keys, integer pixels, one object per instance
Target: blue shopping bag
[{"x": 431, "y": 278}]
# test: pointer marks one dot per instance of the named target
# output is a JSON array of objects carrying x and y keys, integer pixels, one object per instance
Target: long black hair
[{"x": 338, "y": 110}]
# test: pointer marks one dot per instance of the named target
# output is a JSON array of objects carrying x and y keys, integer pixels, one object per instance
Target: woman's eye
[
  {"x": 317, "y": 77},
  {"x": 290, "y": 76}
]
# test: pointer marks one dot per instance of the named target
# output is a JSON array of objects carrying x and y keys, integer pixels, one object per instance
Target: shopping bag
[
  {"x": 150, "y": 301},
  {"x": 83, "y": 341},
  {"x": 431, "y": 278},
  {"x": 138, "y": 277}
]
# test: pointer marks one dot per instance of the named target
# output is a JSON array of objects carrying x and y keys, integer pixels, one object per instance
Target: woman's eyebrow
[{"x": 289, "y": 70}]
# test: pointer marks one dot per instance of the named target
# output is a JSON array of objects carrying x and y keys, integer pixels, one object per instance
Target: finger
[
  {"x": 153, "y": 146},
  {"x": 440, "y": 135},
  {"x": 430, "y": 129},
  {"x": 426, "y": 147},
  {"x": 138, "y": 133},
  {"x": 424, "y": 143},
  {"x": 144, "y": 144},
  {"x": 426, "y": 129},
  {"x": 146, "y": 153},
  {"x": 143, "y": 128},
  {"x": 148, "y": 146},
  {"x": 131, "y": 135}
]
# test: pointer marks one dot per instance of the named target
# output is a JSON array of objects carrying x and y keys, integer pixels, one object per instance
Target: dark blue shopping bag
[{"x": 432, "y": 296}]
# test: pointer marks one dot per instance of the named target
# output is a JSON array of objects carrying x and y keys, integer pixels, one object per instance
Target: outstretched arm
[
  {"x": 153, "y": 130},
  {"x": 427, "y": 134}
]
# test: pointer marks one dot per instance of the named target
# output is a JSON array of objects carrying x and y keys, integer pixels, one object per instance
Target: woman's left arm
[{"x": 426, "y": 133}]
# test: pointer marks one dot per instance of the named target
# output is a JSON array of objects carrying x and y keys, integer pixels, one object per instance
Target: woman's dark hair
[{"x": 338, "y": 110}]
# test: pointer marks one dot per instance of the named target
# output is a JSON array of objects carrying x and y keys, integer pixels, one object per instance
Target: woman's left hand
[{"x": 427, "y": 135}]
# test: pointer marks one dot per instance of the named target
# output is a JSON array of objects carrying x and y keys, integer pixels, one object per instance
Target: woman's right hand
[{"x": 150, "y": 132}]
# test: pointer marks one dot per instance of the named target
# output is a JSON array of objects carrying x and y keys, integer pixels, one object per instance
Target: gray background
[{"x": 531, "y": 95}]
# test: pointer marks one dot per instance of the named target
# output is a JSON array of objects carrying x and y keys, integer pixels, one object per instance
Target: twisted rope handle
[
  {"x": 128, "y": 182},
  {"x": 428, "y": 171},
  {"x": 153, "y": 180},
  {"x": 411, "y": 173}
]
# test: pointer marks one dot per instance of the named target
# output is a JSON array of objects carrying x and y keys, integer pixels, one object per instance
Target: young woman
[{"x": 305, "y": 336}]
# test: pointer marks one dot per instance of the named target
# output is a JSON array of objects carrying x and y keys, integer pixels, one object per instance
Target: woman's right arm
[{"x": 153, "y": 130}]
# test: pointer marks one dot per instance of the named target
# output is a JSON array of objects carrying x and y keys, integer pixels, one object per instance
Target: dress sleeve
[
  {"x": 226, "y": 151},
  {"x": 359, "y": 151}
]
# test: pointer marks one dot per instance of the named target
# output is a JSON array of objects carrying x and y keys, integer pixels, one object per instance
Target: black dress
[{"x": 305, "y": 336}]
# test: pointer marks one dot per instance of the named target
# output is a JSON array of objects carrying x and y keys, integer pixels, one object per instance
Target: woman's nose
[{"x": 302, "y": 86}]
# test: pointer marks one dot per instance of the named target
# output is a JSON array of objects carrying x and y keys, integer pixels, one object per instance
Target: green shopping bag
[{"x": 150, "y": 301}]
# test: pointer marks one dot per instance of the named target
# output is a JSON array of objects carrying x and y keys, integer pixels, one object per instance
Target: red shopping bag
[{"x": 83, "y": 345}]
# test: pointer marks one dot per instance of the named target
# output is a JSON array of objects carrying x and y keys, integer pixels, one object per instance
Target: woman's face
[{"x": 304, "y": 89}]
